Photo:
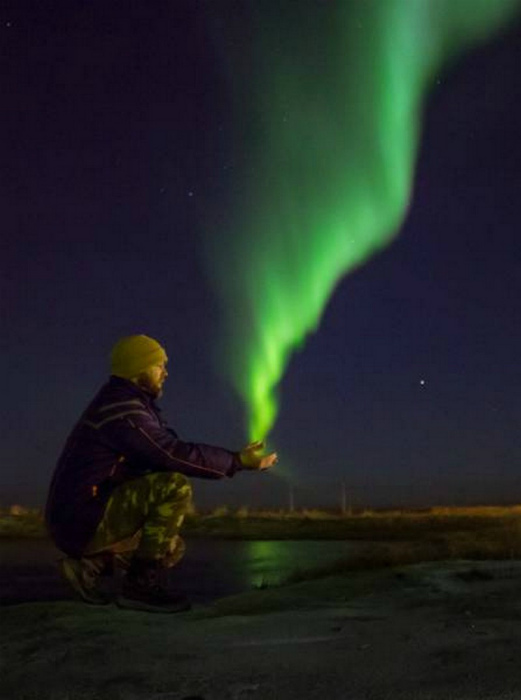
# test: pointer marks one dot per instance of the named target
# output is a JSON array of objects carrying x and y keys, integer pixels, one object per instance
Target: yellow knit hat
[{"x": 133, "y": 354}]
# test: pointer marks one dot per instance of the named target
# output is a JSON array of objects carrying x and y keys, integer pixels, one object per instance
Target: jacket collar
[{"x": 132, "y": 388}]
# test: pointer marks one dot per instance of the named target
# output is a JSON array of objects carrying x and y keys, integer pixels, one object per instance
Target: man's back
[{"x": 91, "y": 465}]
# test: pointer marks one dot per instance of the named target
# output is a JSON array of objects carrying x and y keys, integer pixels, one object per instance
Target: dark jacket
[{"x": 120, "y": 436}]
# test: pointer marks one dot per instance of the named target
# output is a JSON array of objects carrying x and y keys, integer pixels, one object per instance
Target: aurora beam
[{"x": 327, "y": 99}]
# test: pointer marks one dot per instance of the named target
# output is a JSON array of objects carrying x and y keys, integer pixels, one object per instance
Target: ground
[{"x": 439, "y": 630}]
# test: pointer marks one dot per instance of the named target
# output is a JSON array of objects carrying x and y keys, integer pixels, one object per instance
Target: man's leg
[
  {"x": 143, "y": 516},
  {"x": 164, "y": 503}
]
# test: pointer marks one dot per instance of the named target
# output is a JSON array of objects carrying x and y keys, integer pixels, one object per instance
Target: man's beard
[{"x": 154, "y": 390}]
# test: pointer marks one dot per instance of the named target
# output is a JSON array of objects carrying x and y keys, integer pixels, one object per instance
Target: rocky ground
[{"x": 441, "y": 630}]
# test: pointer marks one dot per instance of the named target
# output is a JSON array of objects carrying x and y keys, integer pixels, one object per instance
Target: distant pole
[
  {"x": 291, "y": 499},
  {"x": 346, "y": 507}
]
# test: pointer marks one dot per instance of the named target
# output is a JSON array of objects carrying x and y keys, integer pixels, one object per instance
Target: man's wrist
[{"x": 238, "y": 464}]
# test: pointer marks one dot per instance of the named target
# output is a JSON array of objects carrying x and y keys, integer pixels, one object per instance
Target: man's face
[{"x": 153, "y": 378}]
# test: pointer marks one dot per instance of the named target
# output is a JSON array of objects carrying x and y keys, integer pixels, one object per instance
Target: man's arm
[
  {"x": 134, "y": 431},
  {"x": 142, "y": 440}
]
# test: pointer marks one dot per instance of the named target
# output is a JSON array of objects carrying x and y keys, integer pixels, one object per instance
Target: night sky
[{"x": 116, "y": 134}]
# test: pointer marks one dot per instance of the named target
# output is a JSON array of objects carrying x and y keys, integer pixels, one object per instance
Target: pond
[{"x": 211, "y": 568}]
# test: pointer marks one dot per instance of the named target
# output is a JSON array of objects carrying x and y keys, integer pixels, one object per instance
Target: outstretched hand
[{"x": 252, "y": 457}]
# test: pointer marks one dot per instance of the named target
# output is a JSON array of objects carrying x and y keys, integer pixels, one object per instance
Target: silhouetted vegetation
[
  {"x": 399, "y": 536},
  {"x": 17, "y": 521},
  {"x": 370, "y": 525}
]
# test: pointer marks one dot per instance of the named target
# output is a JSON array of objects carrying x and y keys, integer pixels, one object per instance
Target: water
[{"x": 210, "y": 569}]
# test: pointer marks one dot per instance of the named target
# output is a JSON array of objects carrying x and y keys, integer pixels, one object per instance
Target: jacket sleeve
[{"x": 140, "y": 437}]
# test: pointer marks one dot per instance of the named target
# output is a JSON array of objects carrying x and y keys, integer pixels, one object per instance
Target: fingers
[
  {"x": 256, "y": 445},
  {"x": 269, "y": 461}
]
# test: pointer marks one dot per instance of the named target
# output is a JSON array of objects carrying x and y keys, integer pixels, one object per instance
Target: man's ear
[{"x": 138, "y": 379}]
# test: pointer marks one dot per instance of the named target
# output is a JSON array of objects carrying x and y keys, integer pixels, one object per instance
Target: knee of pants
[
  {"x": 184, "y": 487},
  {"x": 173, "y": 482}
]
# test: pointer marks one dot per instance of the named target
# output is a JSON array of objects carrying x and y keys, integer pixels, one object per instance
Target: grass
[
  {"x": 394, "y": 537},
  {"x": 19, "y": 522},
  {"x": 365, "y": 525}
]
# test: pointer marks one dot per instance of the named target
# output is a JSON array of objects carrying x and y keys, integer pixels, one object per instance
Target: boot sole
[{"x": 142, "y": 606}]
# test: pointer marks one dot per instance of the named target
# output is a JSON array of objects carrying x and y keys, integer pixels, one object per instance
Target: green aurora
[{"x": 326, "y": 102}]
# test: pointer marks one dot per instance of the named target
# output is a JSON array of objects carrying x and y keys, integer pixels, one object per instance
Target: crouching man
[{"x": 120, "y": 490}]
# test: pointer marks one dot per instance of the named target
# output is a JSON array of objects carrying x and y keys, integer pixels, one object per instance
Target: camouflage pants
[{"x": 143, "y": 517}]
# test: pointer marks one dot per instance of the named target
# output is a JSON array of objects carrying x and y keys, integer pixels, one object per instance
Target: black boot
[
  {"x": 84, "y": 576},
  {"x": 141, "y": 589}
]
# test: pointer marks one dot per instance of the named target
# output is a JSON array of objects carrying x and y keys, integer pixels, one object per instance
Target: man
[{"x": 121, "y": 484}]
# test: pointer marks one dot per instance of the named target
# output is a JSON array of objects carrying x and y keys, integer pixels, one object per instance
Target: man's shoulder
[
  {"x": 117, "y": 398},
  {"x": 118, "y": 389}
]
